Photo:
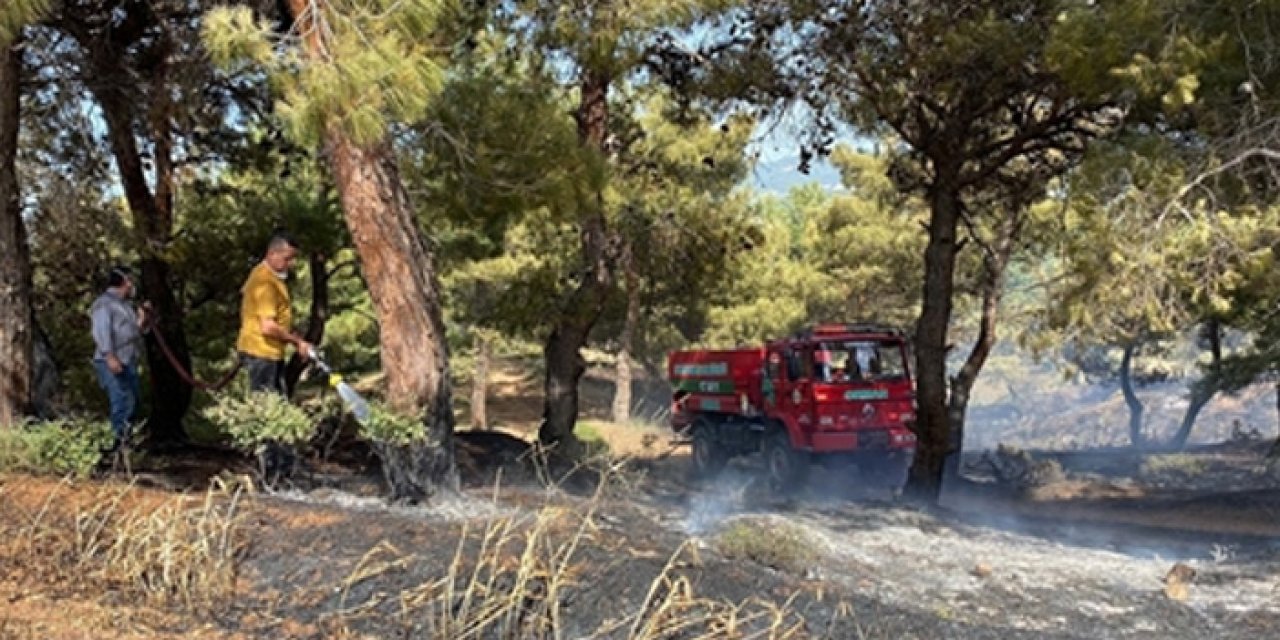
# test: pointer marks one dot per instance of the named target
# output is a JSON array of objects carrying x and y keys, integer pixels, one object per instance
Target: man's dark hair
[
  {"x": 280, "y": 239},
  {"x": 118, "y": 275}
]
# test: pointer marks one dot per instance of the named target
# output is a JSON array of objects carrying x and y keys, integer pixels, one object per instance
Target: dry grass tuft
[
  {"x": 179, "y": 551},
  {"x": 672, "y": 610}
]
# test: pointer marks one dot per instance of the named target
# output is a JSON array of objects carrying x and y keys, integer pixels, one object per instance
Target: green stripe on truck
[
  {"x": 706, "y": 369},
  {"x": 706, "y": 386}
]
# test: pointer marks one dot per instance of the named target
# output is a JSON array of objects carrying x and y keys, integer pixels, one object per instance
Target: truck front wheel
[
  {"x": 787, "y": 468},
  {"x": 708, "y": 455}
]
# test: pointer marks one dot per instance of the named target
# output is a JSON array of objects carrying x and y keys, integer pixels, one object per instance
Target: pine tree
[
  {"x": 349, "y": 71},
  {"x": 16, "y": 316},
  {"x": 604, "y": 42}
]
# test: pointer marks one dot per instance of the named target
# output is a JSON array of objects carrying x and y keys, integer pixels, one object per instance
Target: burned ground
[{"x": 654, "y": 555}]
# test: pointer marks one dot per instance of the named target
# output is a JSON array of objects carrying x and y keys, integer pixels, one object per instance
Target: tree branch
[{"x": 1270, "y": 154}]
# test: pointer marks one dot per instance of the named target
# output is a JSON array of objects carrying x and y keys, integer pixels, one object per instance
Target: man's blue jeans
[{"x": 122, "y": 393}]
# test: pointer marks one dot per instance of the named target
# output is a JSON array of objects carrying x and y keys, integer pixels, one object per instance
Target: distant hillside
[{"x": 1040, "y": 410}]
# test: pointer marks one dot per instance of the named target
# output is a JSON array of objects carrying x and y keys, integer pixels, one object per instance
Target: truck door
[{"x": 797, "y": 400}]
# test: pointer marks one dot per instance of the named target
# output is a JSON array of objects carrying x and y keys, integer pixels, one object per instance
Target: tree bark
[
  {"x": 153, "y": 220},
  {"x": 1196, "y": 404},
  {"x": 400, "y": 270},
  {"x": 623, "y": 373},
  {"x": 1131, "y": 396},
  {"x": 1200, "y": 395},
  {"x": 995, "y": 265},
  {"x": 16, "y": 315},
  {"x": 317, "y": 265},
  {"x": 563, "y": 351},
  {"x": 480, "y": 384},
  {"x": 933, "y": 430},
  {"x": 1274, "y": 451},
  {"x": 399, "y": 267}
]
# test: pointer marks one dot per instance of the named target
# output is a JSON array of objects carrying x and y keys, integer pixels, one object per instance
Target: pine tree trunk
[
  {"x": 623, "y": 373},
  {"x": 317, "y": 265},
  {"x": 995, "y": 266},
  {"x": 1274, "y": 451},
  {"x": 44, "y": 373},
  {"x": 1194, "y": 406},
  {"x": 153, "y": 219},
  {"x": 1130, "y": 395},
  {"x": 399, "y": 267},
  {"x": 563, "y": 351},
  {"x": 480, "y": 385},
  {"x": 16, "y": 315},
  {"x": 1200, "y": 396},
  {"x": 933, "y": 430}
]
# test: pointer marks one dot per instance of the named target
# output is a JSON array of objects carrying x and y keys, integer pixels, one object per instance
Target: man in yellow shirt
[{"x": 266, "y": 317}]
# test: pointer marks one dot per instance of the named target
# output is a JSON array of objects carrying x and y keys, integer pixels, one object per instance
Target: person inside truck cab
[
  {"x": 823, "y": 369},
  {"x": 863, "y": 362}
]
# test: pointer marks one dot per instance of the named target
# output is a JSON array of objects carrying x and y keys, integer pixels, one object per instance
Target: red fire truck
[{"x": 831, "y": 392}]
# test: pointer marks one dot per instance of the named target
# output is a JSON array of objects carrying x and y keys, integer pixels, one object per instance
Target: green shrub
[
  {"x": 253, "y": 418},
  {"x": 773, "y": 544},
  {"x": 1173, "y": 464},
  {"x": 71, "y": 446},
  {"x": 386, "y": 426},
  {"x": 593, "y": 441}
]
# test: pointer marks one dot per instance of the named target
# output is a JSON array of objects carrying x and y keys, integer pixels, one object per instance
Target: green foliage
[
  {"x": 75, "y": 237},
  {"x": 1175, "y": 465},
  {"x": 387, "y": 426},
  {"x": 71, "y": 446},
  {"x": 593, "y": 441},
  {"x": 609, "y": 37},
  {"x": 379, "y": 64},
  {"x": 254, "y": 418},
  {"x": 16, "y": 14},
  {"x": 773, "y": 544},
  {"x": 499, "y": 145},
  {"x": 853, "y": 255}
]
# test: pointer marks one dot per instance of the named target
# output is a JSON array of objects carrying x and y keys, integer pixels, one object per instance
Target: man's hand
[
  {"x": 144, "y": 314},
  {"x": 114, "y": 365},
  {"x": 304, "y": 349}
]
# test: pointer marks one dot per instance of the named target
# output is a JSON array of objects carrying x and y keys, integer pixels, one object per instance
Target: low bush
[
  {"x": 1173, "y": 464},
  {"x": 255, "y": 418},
  {"x": 773, "y": 544},
  {"x": 386, "y": 426},
  {"x": 412, "y": 464},
  {"x": 61, "y": 447}
]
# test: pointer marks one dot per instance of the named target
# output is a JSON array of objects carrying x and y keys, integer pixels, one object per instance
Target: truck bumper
[{"x": 842, "y": 441}]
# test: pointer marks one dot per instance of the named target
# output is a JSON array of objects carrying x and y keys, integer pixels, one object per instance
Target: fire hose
[
  {"x": 187, "y": 377},
  {"x": 354, "y": 401}
]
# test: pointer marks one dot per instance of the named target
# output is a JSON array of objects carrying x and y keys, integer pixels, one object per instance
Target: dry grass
[
  {"x": 177, "y": 551},
  {"x": 672, "y": 610},
  {"x": 510, "y": 579}
]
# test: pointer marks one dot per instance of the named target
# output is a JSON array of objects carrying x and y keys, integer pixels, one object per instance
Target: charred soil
[{"x": 643, "y": 554}]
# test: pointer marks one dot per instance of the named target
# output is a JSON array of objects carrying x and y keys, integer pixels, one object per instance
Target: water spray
[{"x": 350, "y": 397}]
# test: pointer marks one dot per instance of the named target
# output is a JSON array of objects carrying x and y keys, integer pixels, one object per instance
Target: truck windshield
[{"x": 850, "y": 361}]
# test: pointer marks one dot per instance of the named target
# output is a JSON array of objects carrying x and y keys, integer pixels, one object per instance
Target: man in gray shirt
[{"x": 117, "y": 339}]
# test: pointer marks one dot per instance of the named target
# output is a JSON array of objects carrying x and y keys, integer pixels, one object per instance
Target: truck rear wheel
[
  {"x": 708, "y": 455},
  {"x": 786, "y": 467}
]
